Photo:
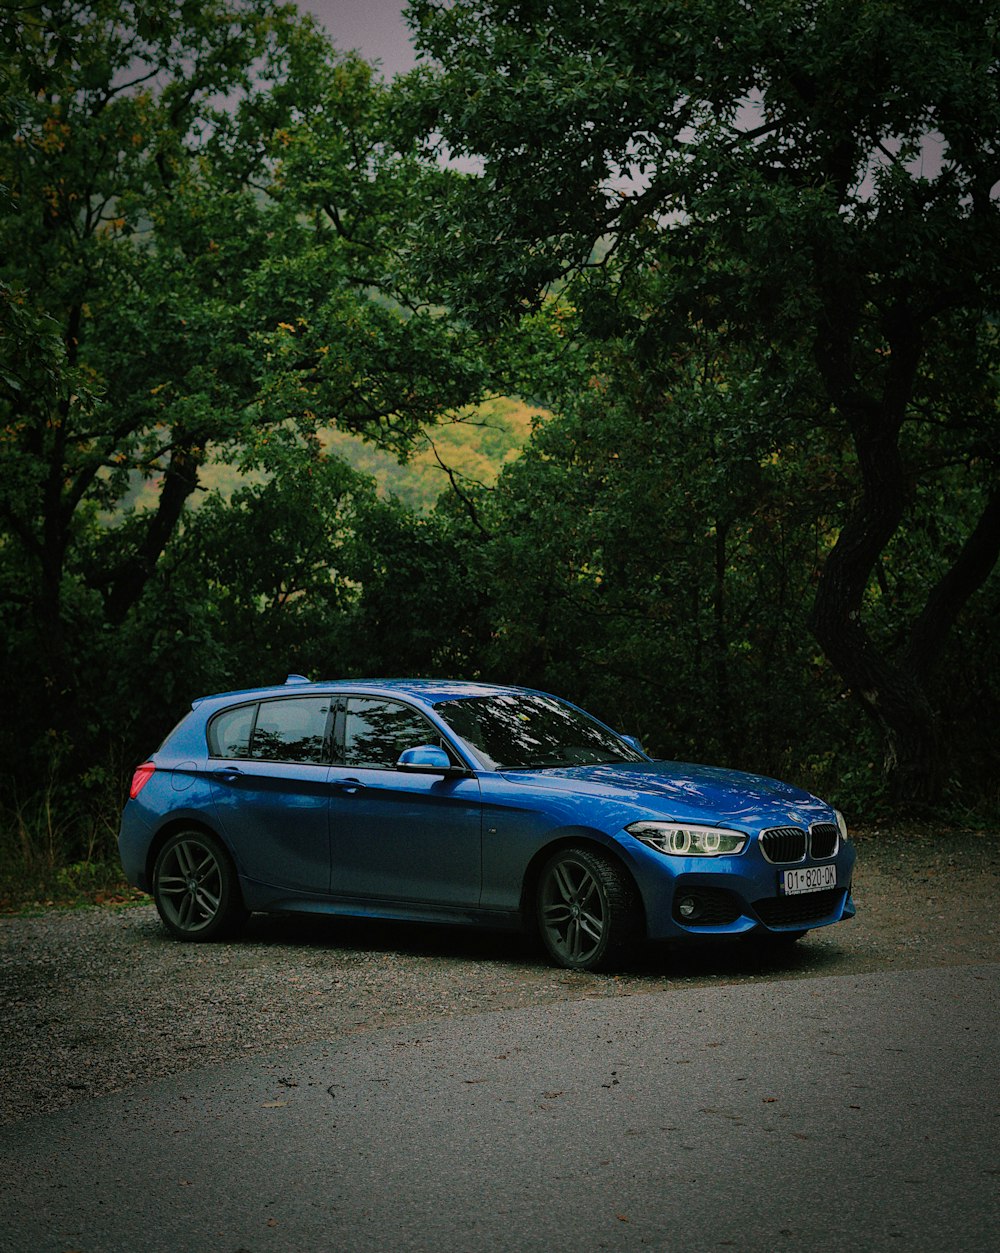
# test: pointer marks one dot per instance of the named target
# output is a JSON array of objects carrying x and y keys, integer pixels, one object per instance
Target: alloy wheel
[
  {"x": 190, "y": 884},
  {"x": 573, "y": 911}
]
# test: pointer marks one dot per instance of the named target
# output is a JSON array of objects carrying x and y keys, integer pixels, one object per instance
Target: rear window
[
  {"x": 229, "y": 732},
  {"x": 289, "y": 729},
  {"x": 292, "y": 730}
]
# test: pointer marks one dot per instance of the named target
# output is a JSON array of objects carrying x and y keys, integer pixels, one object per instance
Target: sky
[
  {"x": 374, "y": 27},
  {"x": 377, "y": 30}
]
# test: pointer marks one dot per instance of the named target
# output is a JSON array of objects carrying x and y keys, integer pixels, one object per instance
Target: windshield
[{"x": 527, "y": 732}]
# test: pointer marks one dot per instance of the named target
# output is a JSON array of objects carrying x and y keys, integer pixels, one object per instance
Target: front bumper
[{"x": 734, "y": 896}]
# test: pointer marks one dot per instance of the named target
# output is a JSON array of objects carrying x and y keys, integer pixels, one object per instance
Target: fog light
[{"x": 688, "y": 908}]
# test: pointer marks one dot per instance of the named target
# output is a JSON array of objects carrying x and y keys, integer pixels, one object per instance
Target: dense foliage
[
  {"x": 742, "y": 261},
  {"x": 817, "y": 184}
]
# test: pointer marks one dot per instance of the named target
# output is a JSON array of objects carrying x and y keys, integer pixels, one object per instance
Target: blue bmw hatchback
[{"x": 469, "y": 803}]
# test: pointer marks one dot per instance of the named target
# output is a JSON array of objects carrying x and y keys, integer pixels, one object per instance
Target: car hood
[{"x": 682, "y": 792}]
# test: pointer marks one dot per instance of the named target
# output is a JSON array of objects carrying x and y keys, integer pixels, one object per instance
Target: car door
[
  {"x": 397, "y": 836},
  {"x": 269, "y": 770}
]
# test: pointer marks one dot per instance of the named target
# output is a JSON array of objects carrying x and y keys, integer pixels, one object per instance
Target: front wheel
[
  {"x": 195, "y": 888},
  {"x": 586, "y": 910}
]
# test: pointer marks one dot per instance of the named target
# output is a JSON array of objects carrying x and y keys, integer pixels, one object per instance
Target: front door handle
[
  {"x": 229, "y": 774},
  {"x": 349, "y": 787}
]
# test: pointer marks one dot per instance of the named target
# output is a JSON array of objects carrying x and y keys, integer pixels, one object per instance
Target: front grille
[
  {"x": 824, "y": 838},
  {"x": 789, "y": 844},
  {"x": 783, "y": 844},
  {"x": 793, "y": 911}
]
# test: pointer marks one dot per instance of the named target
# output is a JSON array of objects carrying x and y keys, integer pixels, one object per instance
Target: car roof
[{"x": 426, "y": 691}]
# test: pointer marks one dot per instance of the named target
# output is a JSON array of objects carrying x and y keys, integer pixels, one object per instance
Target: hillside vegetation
[{"x": 474, "y": 449}]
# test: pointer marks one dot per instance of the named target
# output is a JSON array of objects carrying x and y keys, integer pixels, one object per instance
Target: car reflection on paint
[{"x": 469, "y": 803}]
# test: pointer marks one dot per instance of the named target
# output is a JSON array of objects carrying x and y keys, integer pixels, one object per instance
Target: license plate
[{"x": 808, "y": 879}]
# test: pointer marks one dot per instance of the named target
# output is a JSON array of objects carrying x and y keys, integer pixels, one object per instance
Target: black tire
[
  {"x": 195, "y": 888},
  {"x": 586, "y": 909}
]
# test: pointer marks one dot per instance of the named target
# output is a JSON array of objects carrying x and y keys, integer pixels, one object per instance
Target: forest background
[{"x": 680, "y": 319}]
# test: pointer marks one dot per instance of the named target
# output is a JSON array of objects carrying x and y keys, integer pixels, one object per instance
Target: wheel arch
[
  {"x": 171, "y": 828},
  {"x": 581, "y": 837}
]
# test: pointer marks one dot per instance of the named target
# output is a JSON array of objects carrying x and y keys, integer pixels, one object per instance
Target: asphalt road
[{"x": 854, "y": 1111}]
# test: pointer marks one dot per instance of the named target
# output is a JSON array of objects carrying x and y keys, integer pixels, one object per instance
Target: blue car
[{"x": 469, "y": 803}]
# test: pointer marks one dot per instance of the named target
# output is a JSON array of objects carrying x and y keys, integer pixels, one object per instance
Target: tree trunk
[
  {"x": 894, "y": 694},
  {"x": 126, "y": 584}
]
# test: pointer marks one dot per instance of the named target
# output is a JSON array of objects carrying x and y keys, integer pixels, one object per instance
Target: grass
[
  {"x": 26, "y": 890},
  {"x": 56, "y": 852}
]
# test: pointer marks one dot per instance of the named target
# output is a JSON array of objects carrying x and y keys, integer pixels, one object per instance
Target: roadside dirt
[{"x": 97, "y": 1000}]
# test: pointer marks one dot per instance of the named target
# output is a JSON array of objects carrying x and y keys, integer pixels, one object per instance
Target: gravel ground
[{"x": 96, "y": 1000}]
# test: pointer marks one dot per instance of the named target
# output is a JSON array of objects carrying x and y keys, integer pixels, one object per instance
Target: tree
[
  {"x": 253, "y": 584},
  {"x": 201, "y": 258},
  {"x": 815, "y": 183}
]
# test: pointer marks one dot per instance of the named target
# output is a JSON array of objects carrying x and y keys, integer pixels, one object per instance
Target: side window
[
  {"x": 292, "y": 730},
  {"x": 229, "y": 732},
  {"x": 377, "y": 731}
]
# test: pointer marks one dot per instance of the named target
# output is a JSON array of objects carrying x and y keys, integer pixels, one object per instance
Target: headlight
[
  {"x": 684, "y": 840},
  {"x": 842, "y": 823}
]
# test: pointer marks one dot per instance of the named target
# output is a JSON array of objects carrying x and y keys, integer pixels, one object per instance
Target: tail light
[{"x": 141, "y": 777}]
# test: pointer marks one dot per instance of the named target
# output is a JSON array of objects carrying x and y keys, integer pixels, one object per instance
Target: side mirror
[{"x": 427, "y": 759}]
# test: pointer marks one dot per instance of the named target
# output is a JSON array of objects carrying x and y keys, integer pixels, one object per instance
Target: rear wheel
[
  {"x": 195, "y": 888},
  {"x": 586, "y": 910}
]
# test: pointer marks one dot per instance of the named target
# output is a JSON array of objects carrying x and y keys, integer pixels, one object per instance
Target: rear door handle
[{"x": 229, "y": 774}]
